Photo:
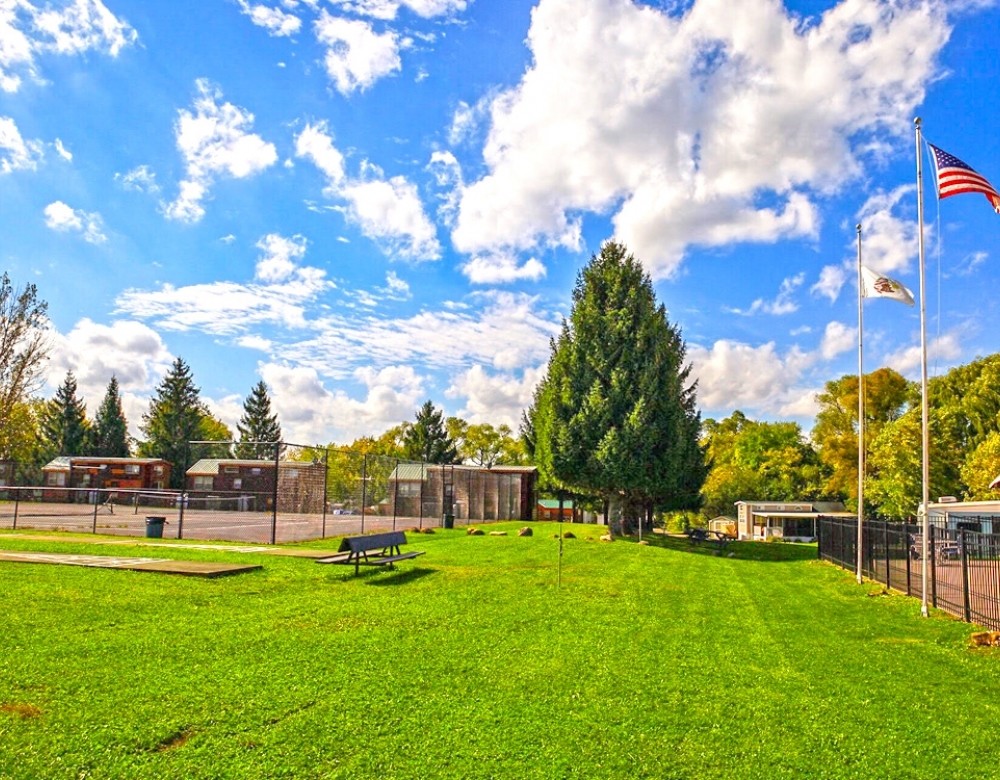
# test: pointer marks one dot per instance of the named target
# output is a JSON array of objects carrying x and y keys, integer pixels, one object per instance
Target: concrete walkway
[{"x": 163, "y": 565}]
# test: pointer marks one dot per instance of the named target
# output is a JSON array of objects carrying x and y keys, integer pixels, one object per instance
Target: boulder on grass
[
  {"x": 475, "y": 531},
  {"x": 498, "y": 533},
  {"x": 607, "y": 538},
  {"x": 569, "y": 535},
  {"x": 525, "y": 532}
]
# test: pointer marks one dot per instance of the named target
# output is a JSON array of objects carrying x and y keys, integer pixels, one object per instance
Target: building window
[
  {"x": 231, "y": 469},
  {"x": 202, "y": 483},
  {"x": 408, "y": 489},
  {"x": 131, "y": 468},
  {"x": 237, "y": 484}
]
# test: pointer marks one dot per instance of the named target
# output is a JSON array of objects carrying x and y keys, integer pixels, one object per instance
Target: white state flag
[{"x": 874, "y": 285}]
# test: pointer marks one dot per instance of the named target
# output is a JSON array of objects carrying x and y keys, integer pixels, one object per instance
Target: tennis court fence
[{"x": 319, "y": 492}]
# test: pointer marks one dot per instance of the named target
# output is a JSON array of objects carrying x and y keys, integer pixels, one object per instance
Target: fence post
[
  {"x": 395, "y": 494},
  {"x": 931, "y": 564},
  {"x": 326, "y": 486},
  {"x": 888, "y": 562},
  {"x": 17, "y": 501},
  {"x": 963, "y": 551},
  {"x": 274, "y": 503},
  {"x": 906, "y": 539},
  {"x": 94, "y": 527},
  {"x": 364, "y": 489}
]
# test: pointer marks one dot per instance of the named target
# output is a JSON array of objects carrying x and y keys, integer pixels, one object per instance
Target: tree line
[{"x": 614, "y": 423}]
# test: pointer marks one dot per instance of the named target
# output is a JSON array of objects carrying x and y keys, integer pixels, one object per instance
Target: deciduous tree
[{"x": 23, "y": 352}]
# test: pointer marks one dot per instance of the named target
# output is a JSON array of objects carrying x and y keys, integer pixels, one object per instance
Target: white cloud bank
[{"x": 720, "y": 125}]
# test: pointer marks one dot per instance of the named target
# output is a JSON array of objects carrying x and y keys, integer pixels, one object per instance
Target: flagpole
[
  {"x": 861, "y": 412},
  {"x": 924, "y": 406}
]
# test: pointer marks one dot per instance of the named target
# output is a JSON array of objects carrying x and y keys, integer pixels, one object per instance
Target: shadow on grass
[
  {"x": 768, "y": 552},
  {"x": 397, "y": 576}
]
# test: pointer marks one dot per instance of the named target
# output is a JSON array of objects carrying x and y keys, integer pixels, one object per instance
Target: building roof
[
  {"x": 553, "y": 503},
  {"x": 64, "y": 462},
  {"x": 209, "y": 467},
  {"x": 417, "y": 472}
]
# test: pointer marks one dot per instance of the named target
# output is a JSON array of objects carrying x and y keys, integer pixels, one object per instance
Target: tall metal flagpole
[
  {"x": 861, "y": 411},
  {"x": 924, "y": 406}
]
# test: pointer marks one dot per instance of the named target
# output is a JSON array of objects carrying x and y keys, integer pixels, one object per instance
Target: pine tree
[
  {"x": 64, "y": 424},
  {"x": 615, "y": 416},
  {"x": 427, "y": 439},
  {"x": 258, "y": 424},
  {"x": 109, "y": 436},
  {"x": 174, "y": 419}
]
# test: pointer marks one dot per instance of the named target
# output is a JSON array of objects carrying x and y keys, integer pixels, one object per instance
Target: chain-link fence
[{"x": 284, "y": 493}]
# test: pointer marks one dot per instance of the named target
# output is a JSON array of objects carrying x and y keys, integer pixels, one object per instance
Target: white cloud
[
  {"x": 316, "y": 143},
  {"x": 75, "y": 28},
  {"x": 837, "y": 339},
  {"x": 782, "y": 304},
  {"x": 497, "y": 399},
  {"x": 63, "y": 218},
  {"x": 139, "y": 179},
  {"x": 229, "y": 308},
  {"x": 716, "y": 126},
  {"x": 356, "y": 56},
  {"x": 274, "y": 20},
  {"x": 388, "y": 9},
  {"x": 62, "y": 151},
  {"x": 214, "y": 140},
  {"x": 131, "y": 351},
  {"x": 501, "y": 268},
  {"x": 888, "y": 240},
  {"x": 81, "y": 26},
  {"x": 397, "y": 288},
  {"x": 305, "y": 406},
  {"x": 388, "y": 211},
  {"x": 16, "y": 154},
  {"x": 280, "y": 257},
  {"x": 943, "y": 349},
  {"x": 831, "y": 279}
]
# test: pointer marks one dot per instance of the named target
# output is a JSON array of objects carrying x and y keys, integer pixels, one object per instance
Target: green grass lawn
[{"x": 660, "y": 661}]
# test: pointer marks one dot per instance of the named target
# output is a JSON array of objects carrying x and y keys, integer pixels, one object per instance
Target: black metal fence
[
  {"x": 301, "y": 493},
  {"x": 963, "y": 565}
]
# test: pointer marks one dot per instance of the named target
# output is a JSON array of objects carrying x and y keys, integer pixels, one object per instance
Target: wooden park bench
[{"x": 372, "y": 550}]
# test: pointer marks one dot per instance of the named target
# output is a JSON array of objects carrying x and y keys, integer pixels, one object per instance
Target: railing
[{"x": 963, "y": 565}]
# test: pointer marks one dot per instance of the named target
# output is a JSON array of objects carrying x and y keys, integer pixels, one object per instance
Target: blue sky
[{"x": 369, "y": 203}]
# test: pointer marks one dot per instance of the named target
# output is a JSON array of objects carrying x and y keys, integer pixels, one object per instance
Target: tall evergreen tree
[
  {"x": 109, "y": 435},
  {"x": 65, "y": 428},
  {"x": 258, "y": 424},
  {"x": 615, "y": 416},
  {"x": 427, "y": 439},
  {"x": 175, "y": 418}
]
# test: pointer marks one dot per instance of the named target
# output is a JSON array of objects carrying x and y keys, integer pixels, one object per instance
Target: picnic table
[{"x": 699, "y": 535}]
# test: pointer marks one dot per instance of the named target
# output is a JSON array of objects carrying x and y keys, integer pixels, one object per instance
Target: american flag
[{"x": 955, "y": 177}]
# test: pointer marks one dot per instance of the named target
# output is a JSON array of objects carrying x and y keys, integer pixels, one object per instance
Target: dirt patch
[{"x": 20, "y": 709}]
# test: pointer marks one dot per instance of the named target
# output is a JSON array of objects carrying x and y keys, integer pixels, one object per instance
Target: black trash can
[
  {"x": 449, "y": 521},
  {"x": 154, "y": 527}
]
